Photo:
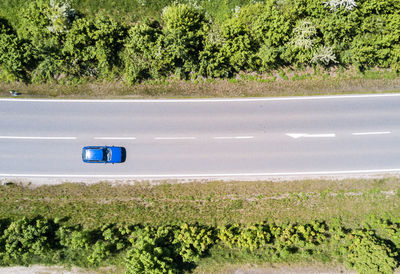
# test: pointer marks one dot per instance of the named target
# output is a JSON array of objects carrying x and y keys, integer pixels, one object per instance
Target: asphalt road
[{"x": 202, "y": 138}]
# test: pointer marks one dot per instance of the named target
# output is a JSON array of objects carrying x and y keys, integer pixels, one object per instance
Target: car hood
[{"x": 116, "y": 154}]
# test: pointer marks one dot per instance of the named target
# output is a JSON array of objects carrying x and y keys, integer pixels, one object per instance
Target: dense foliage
[
  {"x": 53, "y": 42},
  {"x": 372, "y": 248}
]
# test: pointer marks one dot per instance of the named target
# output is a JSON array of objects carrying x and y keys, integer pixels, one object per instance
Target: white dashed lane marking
[
  {"x": 114, "y": 138},
  {"x": 306, "y": 135},
  {"x": 38, "y": 137},
  {"x": 372, "y": 133},
  {"x": 233, "y": 137},
  {"x": 174, "y": 138}
]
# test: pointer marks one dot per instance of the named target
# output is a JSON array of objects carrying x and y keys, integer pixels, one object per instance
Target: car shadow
[{"x": 123, "y": 154}]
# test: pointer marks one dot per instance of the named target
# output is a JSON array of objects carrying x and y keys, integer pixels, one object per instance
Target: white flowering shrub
[
  {"x": 236, "y": 11},
  {"x": 324, "y": 55},
  {"x": 60, "y": 14},
  {"x": 142, "y": 2},
  {"x": 303, "y": 34},
  {"x": 336, "y": 4}
]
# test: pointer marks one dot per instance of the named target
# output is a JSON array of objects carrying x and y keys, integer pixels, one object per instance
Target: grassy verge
[
  {"x": 129, "y": 10},
  {"x": 215, "y": 204},
  {"x": 283, "y": 83},
  {"x": 212, "y": 203},
  {"x": 248, "y": 268}
]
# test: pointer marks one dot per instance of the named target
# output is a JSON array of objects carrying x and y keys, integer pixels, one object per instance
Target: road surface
[{"x": 233, "y": 138}]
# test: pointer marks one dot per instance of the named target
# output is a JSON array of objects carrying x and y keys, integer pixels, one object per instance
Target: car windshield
[{"x": 108, "y": 154}]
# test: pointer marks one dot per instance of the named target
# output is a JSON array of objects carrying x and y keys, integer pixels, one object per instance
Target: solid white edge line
[
  {"x": 37, "y": 138},
  {"x": 216, "y": 100},
  {"x": 114, "y": 138},
  {"x": 372, "y": 133},
  {"x": 335, "y": 172},
  {"x": 174, "y": 138}
]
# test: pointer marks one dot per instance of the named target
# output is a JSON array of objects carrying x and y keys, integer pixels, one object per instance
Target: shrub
[
  {"x": 369, "y": 254},
  {"x": 213, "y": 62},
  {"x": 144, "y": 56},
  {"x": 26, "y": 238},
  {"x": 175, "y": 249},
  {"x": 15, "y": 54},
  {"x": 193, "y": 241},
  {"x": 45, "y": 24},
  {"x": 184, "y": 35},
  {"x": 324, "y": 56},
  {"x": 270, "y": 24},
  {"x": 300, "y": 49},
  {"x": 248, "y": 238},
  {"x": 151, "y": 251},
  {"x": 338, "y": 29},
  {"x": 239, "y": 45},
  {"x": 272, "y": 28},
  {"x": 92, "y": 46},
  {"x": 53, "y": 41}
]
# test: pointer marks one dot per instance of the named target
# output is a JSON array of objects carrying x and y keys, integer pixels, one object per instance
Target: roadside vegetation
[
  {"x": 203, "y": 226},
  {"x": 287, "y": 82},
  {"x": 125, "y": 43}
]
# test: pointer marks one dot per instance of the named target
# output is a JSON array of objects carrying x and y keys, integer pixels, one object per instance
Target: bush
[
  {"x": 369, "y": 254},
  {"x": 239, "y": 45},
  {"x": 92, "y": 46},
  {"x": 338, "y": 30},
  {"x": 193, "y": 241},
  {"x": 54, "y": 41},
  {"x": 15, "y": 54},
  {"x": 175, "y": 249},
  {"x": 272, "y": 26},
  {"x": 26, "y": 239},
  {"x": 184, "y": 35},
  {"x": 213, "y": 62},
  {"x": 151, "y": 251},
  {"x": 248, "y": 238},
  {"x": 144, "y": 56},
  {"x": 45, "y": 23}
]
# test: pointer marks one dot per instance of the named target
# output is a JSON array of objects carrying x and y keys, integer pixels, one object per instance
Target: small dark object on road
[{"x": 15, "y": 93}]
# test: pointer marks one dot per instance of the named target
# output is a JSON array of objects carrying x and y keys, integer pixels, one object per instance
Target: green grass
[
  {"x": 212, "y": 203},
  {"x": 297, "y": 83},
  {"x": 225, "y": 260},
  {"x": 130, "y": 10}
]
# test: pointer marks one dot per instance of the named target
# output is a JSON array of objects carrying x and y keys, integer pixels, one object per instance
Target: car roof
[{"x": 94, "y": 153}]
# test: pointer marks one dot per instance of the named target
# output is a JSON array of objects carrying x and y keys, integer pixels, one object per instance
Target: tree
[
  {"x": 15, "y": 54},
  {"x": 239, "y": 45},
  {"x": 92, "y": 46},
  {"x": 26, "y": 238},
  {"x": 144, "y": 56},
  {"x": 368, "y": 254},
  {"x": 193, "y": 241},
  {"x": 45, "y": 24},
  {"x": 336, "y": 4},
  {"x": 151, "y": 251},
  {"x": 184, "y": 35}
]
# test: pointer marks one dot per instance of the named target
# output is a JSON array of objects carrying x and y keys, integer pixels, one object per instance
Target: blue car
[{"x": 103, "y": 154}]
